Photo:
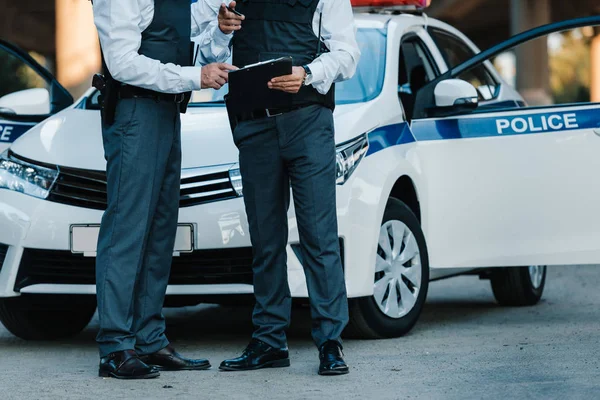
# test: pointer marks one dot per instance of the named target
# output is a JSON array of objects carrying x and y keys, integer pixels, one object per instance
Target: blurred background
[{"x": 561, "y": 68}]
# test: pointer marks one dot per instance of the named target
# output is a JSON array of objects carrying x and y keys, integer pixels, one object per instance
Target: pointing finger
[{"x": 227, "y": 67}]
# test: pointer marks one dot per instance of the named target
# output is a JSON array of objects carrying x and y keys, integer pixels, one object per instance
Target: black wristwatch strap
[{"x": 308, "y": 72}]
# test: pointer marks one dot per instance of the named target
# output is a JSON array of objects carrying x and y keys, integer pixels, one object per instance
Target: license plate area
[{"x": 84, "y": 239}]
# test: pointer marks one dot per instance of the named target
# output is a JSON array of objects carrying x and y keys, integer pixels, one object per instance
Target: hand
[
  {"x": 215, "y": 75},
  {"x": 289, "y": 83},
  {"x": 228, "y": 21}
]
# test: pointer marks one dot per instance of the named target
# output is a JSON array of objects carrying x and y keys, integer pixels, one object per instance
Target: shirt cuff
[
  {"x": 220, "y": 39},
  {"x": 317, "y": 73},
  {"x": 191, "y": 79}
]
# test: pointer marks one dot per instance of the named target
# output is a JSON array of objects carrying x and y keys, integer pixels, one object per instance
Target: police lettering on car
[
  {"x": 5, "y": 132},
  {"x": 537, "y": 123},
  {"x": 9, "y": 132}
]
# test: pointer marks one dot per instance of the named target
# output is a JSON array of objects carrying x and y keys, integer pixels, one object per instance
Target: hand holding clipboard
[
  {"x": 289, "y": 83},
  {"x": 250, "y": 87}
]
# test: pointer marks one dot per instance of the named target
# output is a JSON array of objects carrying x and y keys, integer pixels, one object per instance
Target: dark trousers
[
  {"x": 297, "y": 148},
  {"x": 135, "y": 247}
]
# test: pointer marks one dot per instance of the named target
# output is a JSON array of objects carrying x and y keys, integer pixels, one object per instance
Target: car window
[
  {"x": 415, "y": 69},
  {"x": 365, "y": 85},
  {"x": 15, "y": 75},
  {"x": 455, "y": 52}
]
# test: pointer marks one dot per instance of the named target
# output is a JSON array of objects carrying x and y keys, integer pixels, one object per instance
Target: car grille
[
  {"x": 3, "y": 251},
  {"x": 87, "y": 188},
  {"x": 202, "y": 267}
]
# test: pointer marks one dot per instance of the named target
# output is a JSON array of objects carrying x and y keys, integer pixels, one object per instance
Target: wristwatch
[{"x": 308, "y": 73}]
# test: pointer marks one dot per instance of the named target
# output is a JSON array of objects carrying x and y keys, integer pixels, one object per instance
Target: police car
[{"x": 442, "y": 170}]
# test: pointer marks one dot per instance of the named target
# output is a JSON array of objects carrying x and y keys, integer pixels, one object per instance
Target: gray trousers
[
  {"x": 297, "y": 148},
  {"x": 135, "y": 247}
]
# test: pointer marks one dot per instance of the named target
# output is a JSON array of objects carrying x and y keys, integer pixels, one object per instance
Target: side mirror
[
  {"x": 27, "y": 102},
  {"x": 453, "y": 97}
]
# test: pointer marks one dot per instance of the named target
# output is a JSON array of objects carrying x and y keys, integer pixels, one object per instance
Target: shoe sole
[
  {"x": 112, "y": 375},
  {"x": 334, "y": 372},
  {"x": 270, "y": 364},
  {"x": 198, "y": 368}
]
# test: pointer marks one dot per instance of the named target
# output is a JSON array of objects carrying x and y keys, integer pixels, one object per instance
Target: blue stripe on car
[
  {"x": 505, "y": 125},
  {"x": 387, "y": 136},
  {"x": 471, "y": 128}
]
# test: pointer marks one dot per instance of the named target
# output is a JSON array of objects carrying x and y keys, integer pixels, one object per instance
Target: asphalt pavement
[{"x": 464, "y": 347}]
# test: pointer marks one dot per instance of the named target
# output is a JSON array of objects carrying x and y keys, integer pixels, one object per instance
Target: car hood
[{"x": 73, "y": 137}]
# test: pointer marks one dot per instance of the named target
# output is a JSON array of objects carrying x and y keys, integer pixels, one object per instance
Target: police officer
[
  {"x": 147, "y": 51},
  {"x": 294, "y": 144}
]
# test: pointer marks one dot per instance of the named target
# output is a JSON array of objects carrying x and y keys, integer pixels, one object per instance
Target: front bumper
[{"x": 35, "y": 236}]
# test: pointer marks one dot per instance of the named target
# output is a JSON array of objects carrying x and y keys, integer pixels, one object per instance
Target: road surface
[{"x": 464, "y": 347}]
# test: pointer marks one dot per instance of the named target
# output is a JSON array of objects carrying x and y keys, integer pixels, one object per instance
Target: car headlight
[
  {"x": 348, "y": 156},
  {"x": 235, "y": 177},
  {"x": 22, "y": 177}
]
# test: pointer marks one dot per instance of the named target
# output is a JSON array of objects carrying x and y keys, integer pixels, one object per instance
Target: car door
[
  {"x": 29, "y": 93},
  {"x": 512, "y": 186}
]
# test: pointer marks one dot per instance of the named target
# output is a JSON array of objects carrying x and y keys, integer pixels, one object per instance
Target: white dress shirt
[
  {"x": 339, "y": 35},
  {"x": 120, "y": 24}
]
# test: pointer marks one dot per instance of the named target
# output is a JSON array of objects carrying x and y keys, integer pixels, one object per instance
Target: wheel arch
[{"x": 405, "y": 190}]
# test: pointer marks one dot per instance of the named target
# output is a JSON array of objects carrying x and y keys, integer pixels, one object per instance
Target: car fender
[{"x": 371, "y": 187}]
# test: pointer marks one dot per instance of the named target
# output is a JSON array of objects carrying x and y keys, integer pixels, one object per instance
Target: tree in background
[{"x": 570, "y": 66}]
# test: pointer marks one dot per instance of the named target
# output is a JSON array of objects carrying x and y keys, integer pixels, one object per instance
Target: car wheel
[
  {"x": 45, "y": 317},
  {"x": 401, "y": 278},
  {"x": 519, "y": 286}
]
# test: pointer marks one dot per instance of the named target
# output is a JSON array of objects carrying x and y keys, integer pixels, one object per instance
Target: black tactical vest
[
  {"x": 167, "y": 38},
  {"x": 278, "y": 28}
]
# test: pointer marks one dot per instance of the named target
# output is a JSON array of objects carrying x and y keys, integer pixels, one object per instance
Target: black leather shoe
[
  {"x": 125, "y": 365},
  {"x": 332, "y": 359},
  {"x": 168, "y": 359},
  {"x": 257, "y": 355}
]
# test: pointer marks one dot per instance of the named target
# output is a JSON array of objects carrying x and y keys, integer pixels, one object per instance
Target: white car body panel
[{"x": 546, "y": 217}]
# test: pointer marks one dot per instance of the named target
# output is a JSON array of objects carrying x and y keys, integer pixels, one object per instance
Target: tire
[
  {"x": 367, "y": 319},
  {"x": 46, "y": 317},
  {"x": 517, "y": 286}
]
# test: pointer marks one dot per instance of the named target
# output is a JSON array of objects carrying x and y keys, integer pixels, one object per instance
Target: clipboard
[{"x": 248, "y": 90}]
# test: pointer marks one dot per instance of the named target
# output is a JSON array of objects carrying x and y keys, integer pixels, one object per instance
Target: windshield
[{"x": 364, "y": 86}]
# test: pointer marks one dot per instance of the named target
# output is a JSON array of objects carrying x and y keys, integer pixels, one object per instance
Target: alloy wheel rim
[
  {"x": 397, "y": 270},
  {"x": 536, "y": 275}
]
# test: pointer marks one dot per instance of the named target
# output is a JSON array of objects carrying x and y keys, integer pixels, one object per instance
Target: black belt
[
  {"x": 130, "y": 92},
  {"x": 267, "y": 113}
]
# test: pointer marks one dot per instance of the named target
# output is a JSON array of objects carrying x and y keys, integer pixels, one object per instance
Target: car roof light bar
[{"x": 391, "y": 5}]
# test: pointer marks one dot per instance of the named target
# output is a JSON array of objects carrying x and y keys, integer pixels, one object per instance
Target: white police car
[{"x": 442, "y": 170}]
